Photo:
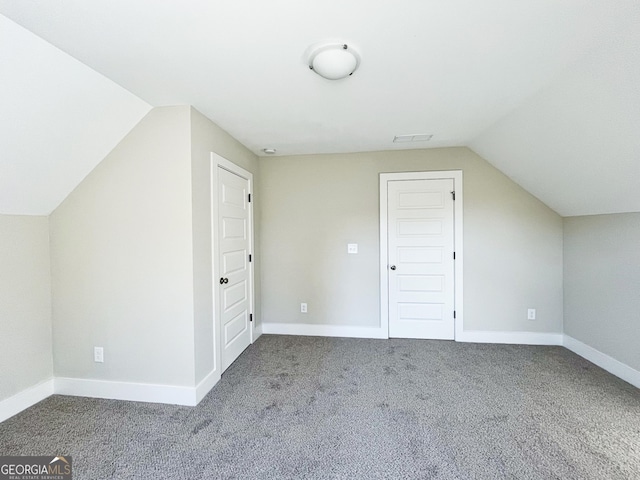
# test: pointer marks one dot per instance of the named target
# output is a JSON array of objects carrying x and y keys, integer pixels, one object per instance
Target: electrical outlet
[
  {"x": 531, "y": 314},
  {"x": 352, "y": 248},
  {"x": 303, "y": 308},
  {"x": 98, "y": 354}
]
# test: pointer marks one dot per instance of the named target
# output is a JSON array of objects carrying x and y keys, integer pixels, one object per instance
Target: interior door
[
  {"x": 421, "y": 258},
  {"x": 234, "y": 242}
]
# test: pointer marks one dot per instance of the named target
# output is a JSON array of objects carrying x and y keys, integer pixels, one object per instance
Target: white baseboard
[
  {"x": 520, "y": 338},
  {"x": 136, "y": 392},
  {"x": 206, "y": 385},
  {"x": 257, "y": 331},
  {"x": 610, "y": 364},
  {"x": 191, "y": 396},
  {"x": 515, "y": 338},
  {"x": 310, "y": 330},
  {"x": 26, "y": 398}
]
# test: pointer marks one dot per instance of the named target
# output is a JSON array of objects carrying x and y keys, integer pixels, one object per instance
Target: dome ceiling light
[{"x": 333, "y": 61}]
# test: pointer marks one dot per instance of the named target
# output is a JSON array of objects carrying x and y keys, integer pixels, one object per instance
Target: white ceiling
[
  {"x": 470, "y": 72},
  {"x": 576, "y": 143},
  {"x": 59, "y": 120}
]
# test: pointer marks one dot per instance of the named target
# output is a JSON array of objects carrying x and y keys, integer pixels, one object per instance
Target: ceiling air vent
[{"x": 416, "y": 137}]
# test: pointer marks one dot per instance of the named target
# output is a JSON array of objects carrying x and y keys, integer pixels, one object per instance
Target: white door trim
[
  {"x": 219, "y": 162},
  {"x": 456, "y": 175}
]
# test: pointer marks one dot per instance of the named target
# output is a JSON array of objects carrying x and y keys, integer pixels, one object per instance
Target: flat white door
[
  {"x": 234, "y": 243},
  {"x": 420, "y": 258}
]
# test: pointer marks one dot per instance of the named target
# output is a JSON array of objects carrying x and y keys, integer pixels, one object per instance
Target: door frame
[
  {"x": 218, "y": 162},
  {"x": 456, "y": 176}
]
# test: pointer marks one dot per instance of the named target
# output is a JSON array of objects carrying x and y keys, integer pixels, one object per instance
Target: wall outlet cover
[{"x": 98, "y": 354}]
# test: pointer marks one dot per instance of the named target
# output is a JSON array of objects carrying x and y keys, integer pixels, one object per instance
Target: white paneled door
[
  {"x": 234, "y": 243},
  {"x": 420, "y": 243}
]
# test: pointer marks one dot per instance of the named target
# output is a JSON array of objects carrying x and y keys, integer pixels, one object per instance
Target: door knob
[
  {"x": 224, "y": 280},
  {"x": 392, "y": 267}
]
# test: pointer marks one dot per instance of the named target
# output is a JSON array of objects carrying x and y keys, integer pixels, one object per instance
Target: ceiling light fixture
[
  {"x": 269, "y": 151},
  {"x": 333, "y": 61}
]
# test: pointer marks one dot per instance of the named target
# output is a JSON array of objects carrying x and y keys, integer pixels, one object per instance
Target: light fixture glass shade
[{"x": 334, "y": 61}]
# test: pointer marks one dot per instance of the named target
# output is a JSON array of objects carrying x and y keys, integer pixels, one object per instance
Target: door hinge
[
  {"x": 251, "y": 317},
  {"x": 453, "y": 194},
  {"x": 454, "y": 314},
  {"x": 454, "y": 255},
  {"x": 249, "y": 257},
  {"x": 249, "y": 198}
]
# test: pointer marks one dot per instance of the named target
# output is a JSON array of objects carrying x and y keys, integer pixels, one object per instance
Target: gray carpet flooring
[{"x": 302, "y": 407}]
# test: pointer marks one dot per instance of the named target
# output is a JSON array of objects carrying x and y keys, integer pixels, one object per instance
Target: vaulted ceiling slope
[
  {"x": 576, "y": 143},
  {"x": 526, "y": 83},
  {"x": 59, "y": 120}
]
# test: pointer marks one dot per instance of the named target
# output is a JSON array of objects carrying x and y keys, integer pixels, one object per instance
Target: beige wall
[
  {"x": 207, "y": 137},
  {"x": 602, "y": 283},
  {"x": 25, "y": 303},
  {"x": 312, "y": 206},
  {"x": 121, "y": 254},
  {"x": 131, "y": 255}
]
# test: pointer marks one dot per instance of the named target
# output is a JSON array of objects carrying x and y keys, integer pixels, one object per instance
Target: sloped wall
[{"x": 59, "y": 119}]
